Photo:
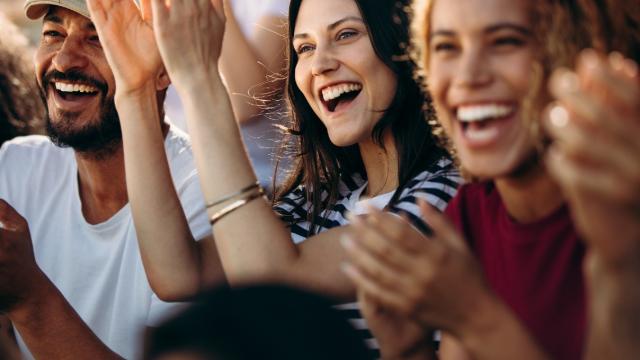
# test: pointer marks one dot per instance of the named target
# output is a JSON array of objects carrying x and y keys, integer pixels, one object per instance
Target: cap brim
[{"x": 38, "y": 8}]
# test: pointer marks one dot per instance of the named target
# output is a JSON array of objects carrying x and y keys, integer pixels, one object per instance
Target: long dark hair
[{"x": 319, "y": 164}]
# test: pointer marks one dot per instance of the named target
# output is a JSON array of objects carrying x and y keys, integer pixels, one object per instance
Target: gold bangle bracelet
[
  {"x": 233, "y": 195},
  {"x": 234, "y": 206}
]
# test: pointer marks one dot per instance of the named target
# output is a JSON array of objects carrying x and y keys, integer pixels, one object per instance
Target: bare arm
[
  {"x": 601, "y": 181},
  {"x": 253, "y": 243},
  {"x": 248, "y": 65},
  {"x": 49, "y": 326},
  {"x": 172, "y": 265}
]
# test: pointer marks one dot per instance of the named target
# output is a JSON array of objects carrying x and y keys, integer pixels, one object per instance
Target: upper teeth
[
  {"x": 333, "y": 92},
  {"x": 66, "y": 87},
  {"x": 470, "y": 113}
]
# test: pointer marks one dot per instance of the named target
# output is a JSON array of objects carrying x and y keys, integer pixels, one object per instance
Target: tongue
[{"x": 77, "y": 96}]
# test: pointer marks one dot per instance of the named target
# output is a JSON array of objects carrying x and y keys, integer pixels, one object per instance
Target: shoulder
[
  {"x": 436, "y": 184},
  {"x": 31, "y": 150}
]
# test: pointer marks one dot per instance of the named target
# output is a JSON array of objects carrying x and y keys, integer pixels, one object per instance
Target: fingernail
[
  {"x": 589, "y": 59},
  {"x": 3, "y": 226},
  {"x": 568, "y": 82},
  {"x": 616, "y": 60},
  {"x": 559, "y": 116},
  {"x": 630, "y": 68}
]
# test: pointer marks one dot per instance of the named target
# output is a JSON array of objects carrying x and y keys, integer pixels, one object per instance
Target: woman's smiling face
[
  {"x": 480, "y": 63},
  {"x": 346, "y": 84}
]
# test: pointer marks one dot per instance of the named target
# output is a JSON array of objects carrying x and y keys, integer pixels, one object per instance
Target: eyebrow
[
  {"x": 333, "y": 25},
  {"x": 490, "y": 29}
]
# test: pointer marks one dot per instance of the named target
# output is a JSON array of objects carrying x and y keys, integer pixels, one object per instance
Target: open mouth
[
  {"x": 74, "y": 91},
  {"x": 482, "y": 122},
  {"x": 339, "y": 96}
]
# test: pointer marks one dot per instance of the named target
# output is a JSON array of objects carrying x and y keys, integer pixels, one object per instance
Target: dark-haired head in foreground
[{"x": 263, "y": 322}]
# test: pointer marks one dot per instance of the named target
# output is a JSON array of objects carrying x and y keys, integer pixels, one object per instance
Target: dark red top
[{"x": 535, "y": 268}]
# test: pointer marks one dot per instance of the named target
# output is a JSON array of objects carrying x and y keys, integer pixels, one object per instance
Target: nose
[
  {"x": 323, "y": 61},
  {"x": 474, "y": 70},
  {"x": 70, "y": 56}
]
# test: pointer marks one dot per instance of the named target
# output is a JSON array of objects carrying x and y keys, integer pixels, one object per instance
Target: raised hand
[
  {"x": 433, "y": 279},
  {"x": 189, "y": 35},
  {"x": 595, "y": 125},
  {"x": 126, "y": 35}
]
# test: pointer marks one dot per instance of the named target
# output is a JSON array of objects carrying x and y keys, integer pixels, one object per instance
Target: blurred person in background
[{"x": 252, "y": 64}]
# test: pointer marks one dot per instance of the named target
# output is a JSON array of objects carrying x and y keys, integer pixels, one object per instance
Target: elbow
[{"x": 176, "y": 291}]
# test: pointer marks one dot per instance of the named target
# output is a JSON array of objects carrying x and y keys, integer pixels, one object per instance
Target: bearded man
[{"x": 71, "y": 278}]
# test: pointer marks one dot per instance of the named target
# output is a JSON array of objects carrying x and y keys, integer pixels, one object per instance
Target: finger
[
  {"x": 397, "y": 229},
  {"x": 160, "y": 13},
  {"x": 442, "y": 228},
  {"x": 146, "y": 11},
  {"x": 598, "y": 77},
  {"x": 591, "y": 108},
  {"x": 369, "y": 236},
  {"x": 576, "y": 139},
  {"x": 578, "y": 179},
  {"x": 96, "y": 11},
  {"x": 218, "y": 6},
  {"x": 385, "y": 270},
  {"x": 380, "y": 295}
]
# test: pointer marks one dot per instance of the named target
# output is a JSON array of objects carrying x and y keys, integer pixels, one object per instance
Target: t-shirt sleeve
[
  {"x": 436, "y": 188},
  {"x": 293, "y": 210}
]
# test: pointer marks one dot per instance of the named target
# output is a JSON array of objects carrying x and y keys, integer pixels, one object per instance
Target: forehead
[
  {"x": 317, "y": 15},
  {"x": 477, "y": 14},
  {"x": 67, "y": 18}
]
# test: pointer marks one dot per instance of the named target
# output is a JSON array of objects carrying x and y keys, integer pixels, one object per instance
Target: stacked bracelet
[
  {"x": 245, "y": 196},
  {"x": 255, "y": 185}
]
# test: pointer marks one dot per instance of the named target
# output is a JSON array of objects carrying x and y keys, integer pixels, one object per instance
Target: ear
[{"x": 162, "y": 81}]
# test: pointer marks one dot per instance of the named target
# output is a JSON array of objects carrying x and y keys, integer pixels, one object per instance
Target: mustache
[{"x": 73, "y": 76}]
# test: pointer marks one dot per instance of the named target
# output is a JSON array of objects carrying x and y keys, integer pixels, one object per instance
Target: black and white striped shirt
[{"x": 437, "y": 185}]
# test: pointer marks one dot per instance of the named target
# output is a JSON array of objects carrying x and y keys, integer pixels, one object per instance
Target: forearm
[
  {"x": 614, "y": 311},
  {"x": 167, "y": 247},
  {"x": 253, "y": 243},
  {"x": 224, "y": 168},
  {"x": 52, "y": 330},
  {"x": 248, "y": 66}
]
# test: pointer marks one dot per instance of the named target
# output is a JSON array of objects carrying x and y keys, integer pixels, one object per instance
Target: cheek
[{"x": 302, "y": 78}]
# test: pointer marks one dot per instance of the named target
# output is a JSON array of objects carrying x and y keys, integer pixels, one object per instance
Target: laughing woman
[
  {"x": 359, "y": 125},
  {"x": 522, "y": 224}
]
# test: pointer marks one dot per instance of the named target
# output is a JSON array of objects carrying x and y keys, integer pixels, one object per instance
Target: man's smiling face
[{"x": 77, "y": 84}]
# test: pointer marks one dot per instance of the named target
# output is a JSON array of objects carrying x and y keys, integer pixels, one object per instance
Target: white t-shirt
[{"x": 96, "y": 267}]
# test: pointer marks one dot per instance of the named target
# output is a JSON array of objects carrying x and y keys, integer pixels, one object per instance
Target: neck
[
  {"x": 103, "y": 189},
  {"x": 530, "y": 197},
  {"x": 381, "y": 165}
]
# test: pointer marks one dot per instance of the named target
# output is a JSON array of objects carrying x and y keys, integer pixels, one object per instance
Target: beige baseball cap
[{"x": 37, "y": 8}]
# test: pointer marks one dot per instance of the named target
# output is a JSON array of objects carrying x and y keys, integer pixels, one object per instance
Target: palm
[{"x": 128, "y": 42}]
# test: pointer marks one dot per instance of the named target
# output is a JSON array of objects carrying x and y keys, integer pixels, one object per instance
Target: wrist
[
  {"x": 33, "y": 301},
  {"x": 196, "y": 80},
  {"x": 483, "y": 321}
]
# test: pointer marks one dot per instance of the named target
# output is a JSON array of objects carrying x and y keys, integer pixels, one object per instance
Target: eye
[
  {"x": 94, "y": 39},
  {"x": 51, "y": 34},
  {"x": 346, "y": 34},
  {"x": 303, "y": 48},
  {"x": 506, "y": 41},
  {"x": 443, "y": 46}
]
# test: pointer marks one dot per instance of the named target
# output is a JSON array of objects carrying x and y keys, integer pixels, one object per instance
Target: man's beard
[{"x": 100, "y": 137}]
